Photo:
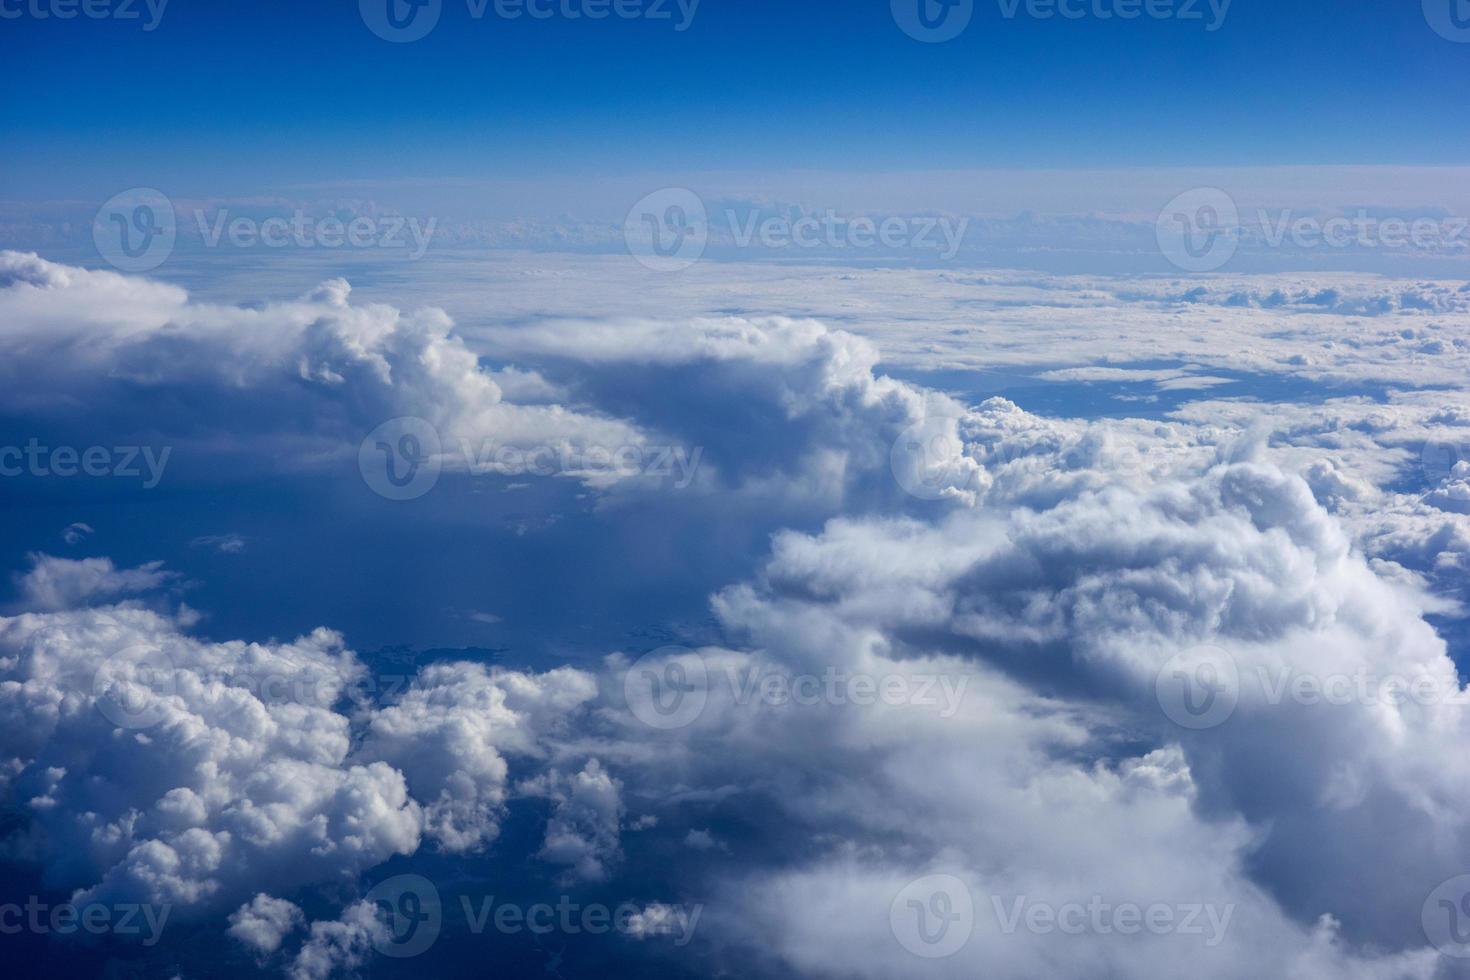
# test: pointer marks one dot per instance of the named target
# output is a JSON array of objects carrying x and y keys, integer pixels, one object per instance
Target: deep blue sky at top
[{"x": 227, "y": 96}]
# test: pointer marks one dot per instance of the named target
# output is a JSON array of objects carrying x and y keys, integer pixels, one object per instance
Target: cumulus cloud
[
  {"x": 61, "y": 583},
  {"x": 780, "y": 409},
  {"x": 192, "y": 773},
  {"x": 451, "y": 731},
  {"x": 263, "y": 922},
  {"x": 300, "y": 379},
  {"x": 340, "y": 945},
  {"x": 252, "y": 776},
  {"x": 1091, "y": 598},
  {"x": 583, "y": 830}
]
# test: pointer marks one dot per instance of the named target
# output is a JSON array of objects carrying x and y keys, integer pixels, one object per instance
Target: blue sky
[{"x": 230, "y": 97}]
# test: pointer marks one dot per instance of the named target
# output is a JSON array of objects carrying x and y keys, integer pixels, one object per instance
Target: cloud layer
[{"x": 954, "y": 682}]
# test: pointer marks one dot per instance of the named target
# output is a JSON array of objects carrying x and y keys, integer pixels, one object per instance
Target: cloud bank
[{"x": 955, "y": 719}]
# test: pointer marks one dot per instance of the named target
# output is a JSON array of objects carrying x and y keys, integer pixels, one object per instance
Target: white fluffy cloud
[
  {"x": 583, "y": 831},
  {"x": 60, "y": 583},
  {"x": 301, "y": 379},
  {"x": 450, "y": 733},
  {"x": 263, "y": 922},
  {"x": 189, "y": 772},
  {"x": 156, "y": 767},
  {"x": 341, "y": 945}
]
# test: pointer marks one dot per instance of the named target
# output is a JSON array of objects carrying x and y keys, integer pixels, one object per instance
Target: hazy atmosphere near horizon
[{"x": 964, "y": 489}]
